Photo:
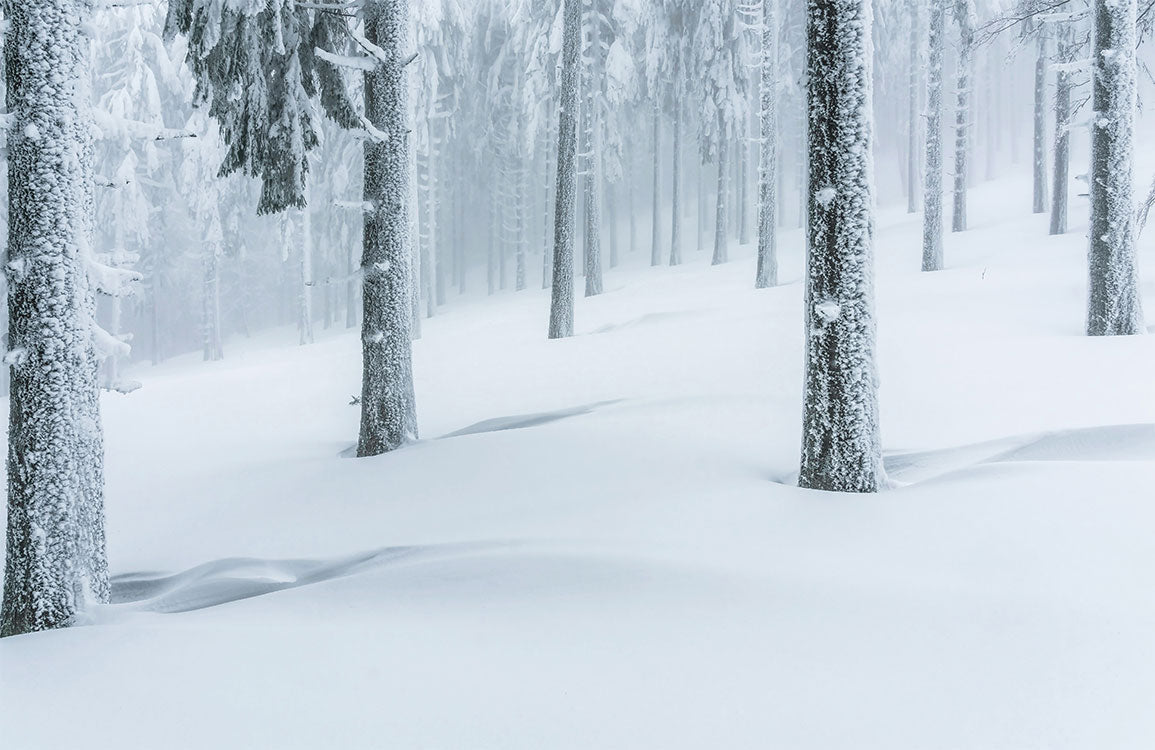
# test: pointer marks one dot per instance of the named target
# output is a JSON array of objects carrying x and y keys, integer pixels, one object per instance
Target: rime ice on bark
[
  {"x": 591, "y": 155},
  {"x": 1114, "y": 305},
  {"x": 840, "y": 446},
  {"x": 55, "y": 546},
  {"x": 1039, "y": 163},
  {"x": 1066, "y": 52},
  {"x": 767, "y": 271},
  {"x": 932, "y": 184},
  {"x": 561, "y": 305},
  {"x": 388, "y": 411}
]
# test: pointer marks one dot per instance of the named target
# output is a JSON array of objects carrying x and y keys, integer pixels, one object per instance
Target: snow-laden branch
[
  {"x": 109, "y": 280},
  {"x": 108, "y": 345},
  {"x": 353, "y": 62},
  {"x": 378, "y": 136},
  {"x": 121, "y": 127}
]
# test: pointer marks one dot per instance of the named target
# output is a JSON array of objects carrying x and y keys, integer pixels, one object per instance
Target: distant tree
[
  {"x": 841, "y": 448},
  {"x": 964, "y": 12},
  {"x": 766, "y": 274},
  {"x": 932, "y": 257}
]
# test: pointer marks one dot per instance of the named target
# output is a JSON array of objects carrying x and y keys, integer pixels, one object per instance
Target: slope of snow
[{"x": 597, "y": 543}]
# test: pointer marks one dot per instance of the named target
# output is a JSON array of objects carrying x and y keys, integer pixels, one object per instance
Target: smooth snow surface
[{"x": 598, "y": 544}]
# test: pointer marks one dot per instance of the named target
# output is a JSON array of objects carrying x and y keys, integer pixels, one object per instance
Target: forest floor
[{"x": 597, "y": 543}]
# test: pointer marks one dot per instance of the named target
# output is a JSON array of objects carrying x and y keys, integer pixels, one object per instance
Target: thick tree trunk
[
  {"x": 932, "y": 258},
  {"x": 1114, "y": 303},
  {"x": 56, "y": 564},
  {"x": 767, "y": 271},
  {"x": 561, "y": 300},
  {"x": 388, "y": 406},
  {"x": 841, "y": 449}
]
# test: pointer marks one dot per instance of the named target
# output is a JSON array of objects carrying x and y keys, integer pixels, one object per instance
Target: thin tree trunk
[
  {"x": 561, "y": 299},
  {"x": 1062, "y": 160},
  {"x": 912, "y": 120},
  {"x": 1040, "y": 124},
  {"x": 964, "y": 13},
  {"x": 305, "y": 321},
  {"x": 932, "y": 258},
  {"x": 655, "y": 233},
  {"x": 767, "y": 271},
  {"x": 676, "y": 201},
  {"x": 720, "y": 225}
]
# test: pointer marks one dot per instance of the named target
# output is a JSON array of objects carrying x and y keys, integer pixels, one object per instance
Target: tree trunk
[
  {"x": 1040, "y": 123},
  {"x": 1062, "y": 160},
  {"x": 655, "y": 234},
  {"x": 1114, "y": 304},
  {"x": 306, "y": 298},
  {"x": 964, "y": 13},
  {"x": 912, "y": 119},
  {"x": 932, "y": 183},
  {"x": 56, "y": 564},
  {"x": 211, "y": 305},
  {"x": 841, "y": 449},
  {"x": 388, "y": 406},
  {"x": 676, "y": 200},
  {"x": 561, "y": 299},
  {"x": 520, "y": 229},
  {"x": 767, "y": 272},
  {"x": 591, "y": 148},
  {"x": 720, "y": 213}
]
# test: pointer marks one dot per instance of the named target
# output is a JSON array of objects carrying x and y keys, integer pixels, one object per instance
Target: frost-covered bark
[
  {"x": 388, "y": 410},
  {"x": 56, "y": 564},
  {"x": 1114, "y": 305},
  {"x": 965, "y": 15},
  {"x": 841, "y": 448},
  {"x": 211, "y": 302},
  {"x": 1062, "y": 159},
  {"x": 1039, "y": 168},
  {"x": 561, "y": 301},
  {"x": 932, "y": 183},
  {"x": 720, "y": 218},
  {"x": 767, "y": 271},
  {"x": 305, "y": 325}
]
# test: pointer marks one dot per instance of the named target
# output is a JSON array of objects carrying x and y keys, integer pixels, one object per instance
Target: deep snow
[{"x": 596, "y": 544}]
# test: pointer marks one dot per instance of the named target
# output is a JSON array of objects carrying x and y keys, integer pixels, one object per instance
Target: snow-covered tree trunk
[
  {"x": 744, "y": 202},
  {"x": 1040, "y": 125},
  {"x": 1062, "y": 158},
  {"x": 352, "y": 310},
  {"x": 655, "y": 233},
  {"x": 1114, "y": 304},
  {"x": 676, "y": 199},
  {"x": 612, "y": 229},
  {"x": 546, "y": 247},
  {"x": 561, "y": 300},
  {"x": 841, "y": 448},
  {"x": 720, "y": 225},
  {"x": 932, "y": 182},
  {"x": 388, "y": 408},
  {"x": 965, "y": 15},
  {"x": 56, "y": 564},
  {"x": 914, "y": 8},
  {"x": 767, "y": 271}
]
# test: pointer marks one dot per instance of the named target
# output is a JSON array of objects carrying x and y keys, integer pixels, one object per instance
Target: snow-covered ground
[{"x": 597, "y": 543}]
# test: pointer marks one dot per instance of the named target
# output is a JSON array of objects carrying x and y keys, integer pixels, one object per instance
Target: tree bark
[
  {"x": 932, "y": 258},
  {"x": 388, "y": 406},
  {"x": 767, "y": 270},
  {"x": 841, "y": 449},
  {"x": 561, "y": 299},
  {"x": 1114, "y": 304}
]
